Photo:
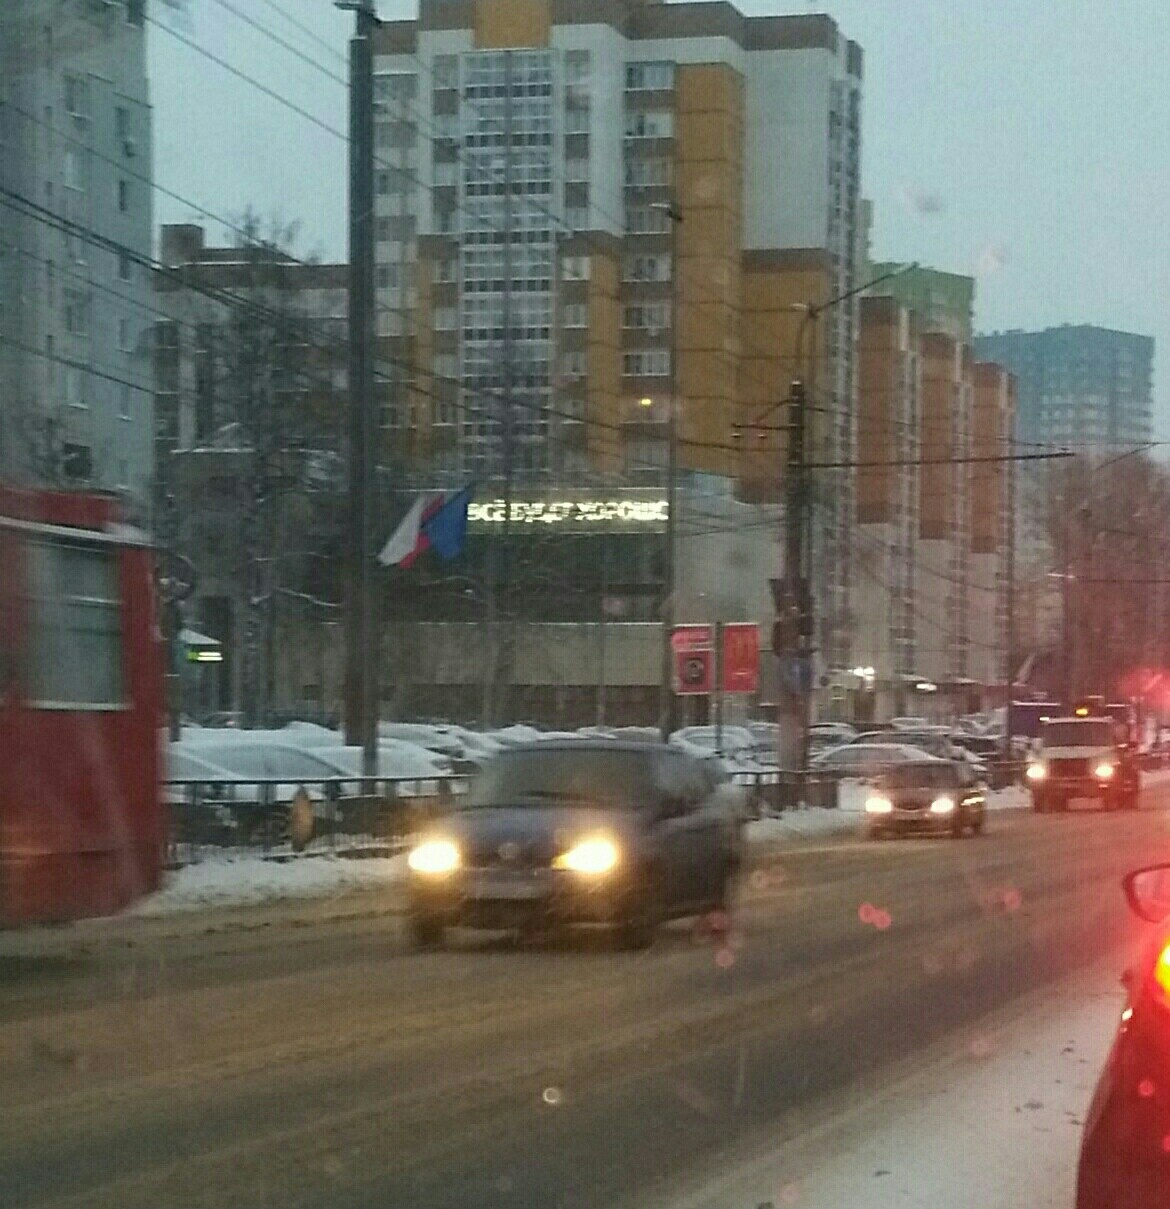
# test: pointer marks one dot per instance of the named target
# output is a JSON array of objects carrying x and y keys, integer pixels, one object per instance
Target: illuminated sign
[
  {"x": 205, "y": 656},
  {"x": 581, "y": 513}
]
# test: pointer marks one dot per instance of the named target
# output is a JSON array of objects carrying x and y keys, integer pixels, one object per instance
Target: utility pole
[
  {"x": 666, "y": 701},
  {"x": 361, "y": 637},
  {"x": 1009, "y": 641}
]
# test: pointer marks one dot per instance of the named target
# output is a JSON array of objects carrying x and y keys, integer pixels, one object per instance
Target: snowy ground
[
  {"x": 991, "y": 1120},
  {"x": 247, "y": 881}
]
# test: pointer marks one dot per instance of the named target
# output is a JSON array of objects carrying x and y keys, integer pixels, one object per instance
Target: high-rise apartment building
[
  {"x": 1079, "y": 385},
  {"x": 943, "y": 302},
  {"x": 597, "y": 220},
  {"x": 75, "y": 238},
  {"x": 933, "y": 508}
]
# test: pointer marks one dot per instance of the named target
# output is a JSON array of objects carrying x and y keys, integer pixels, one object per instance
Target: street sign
[
  {"x": 694, "y": 659},
  {"x": 741, "y": 657}
]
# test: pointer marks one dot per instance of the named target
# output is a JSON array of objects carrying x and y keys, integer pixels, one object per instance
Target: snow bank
[{"x": 249, "y": 881}]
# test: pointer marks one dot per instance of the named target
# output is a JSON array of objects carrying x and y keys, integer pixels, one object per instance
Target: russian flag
[{"x": 436, "y": 521}]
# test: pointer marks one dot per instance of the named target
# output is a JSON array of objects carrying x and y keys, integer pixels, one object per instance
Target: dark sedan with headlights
[
  {"x": 580, "y": 831},
  {"x": 928, "y": 794}
]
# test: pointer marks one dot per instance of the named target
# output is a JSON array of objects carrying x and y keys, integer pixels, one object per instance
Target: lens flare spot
[
  {"x": 1146, "y": 1089},
  {"x": 725, "y": 958},
  {"x": 981, "y": 1047},
  {"x": 865, "y": 913},
  {"x": 553, "y": 1096},
  {"x": 1166, "y": 1144},
  {"x": 1013, "y": 900},
  {"x": 882, "y": 920}
]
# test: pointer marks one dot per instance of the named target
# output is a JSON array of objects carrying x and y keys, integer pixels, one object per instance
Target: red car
[{"x": 1125, "y": 1153}]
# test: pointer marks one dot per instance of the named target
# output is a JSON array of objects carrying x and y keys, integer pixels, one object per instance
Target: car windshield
[
  {"x": 921, "y": 776},
  {"x": 1077, "y": 733},
  {"x": 582, "y": 445},
  {"x": 611, "y": 779}
]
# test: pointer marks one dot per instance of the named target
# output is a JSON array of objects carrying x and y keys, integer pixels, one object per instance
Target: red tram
[{"x": 82, "y": 700}]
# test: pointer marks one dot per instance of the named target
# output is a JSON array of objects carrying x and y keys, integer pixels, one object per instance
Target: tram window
[{"x": 76, "y": 649}]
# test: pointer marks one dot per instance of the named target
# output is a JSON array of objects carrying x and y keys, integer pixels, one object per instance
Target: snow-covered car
[
  {"x": 435, "y": 737},
  {"x": 935, "y": 741},
  {"x": 395, "y": 760},
  {"x": 862, "y": 760}
]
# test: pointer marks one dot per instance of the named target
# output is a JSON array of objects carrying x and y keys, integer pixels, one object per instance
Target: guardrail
[{"x": 255, "y": 815}]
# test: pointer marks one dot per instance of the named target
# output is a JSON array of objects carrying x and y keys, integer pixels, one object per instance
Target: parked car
[
  {"x": 862, "y": 760},
  {"x": 1125, "y": 1158},
  {"x": 925, "y": 795},
  {"x": 935, "y": 741},
  {"x": 580, "y": 831}
]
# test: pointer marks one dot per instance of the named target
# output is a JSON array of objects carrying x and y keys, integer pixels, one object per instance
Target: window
[
  {"x": 644, "y": 174},
  {"x": 576, "y": 170},
  {"x": 135, "y": 11},
  {"x": 650, "y": 124},
  {"x": 446, "y": 365},
  {"x": 646, "y": 76},
  {"x": 121, "y": 123},
  {"x": 577, "y": 218},
  {"x": 124, "y": 412},
  {"x": 74, "y": 395},
  {"x": 125, "y": 339},
  {"x": 647, "y": 220},
  {"x": 77, "y": 462},
  {"x": 646, "y": 363},
  {"x": 576, "y": 314},
  {"x": 446, "y": 270},
  {"x": 573, "y": 365},
  {"x": 445, "y": 71},
  {"x": 577, "y": 119},
  {"x": 76, "y": 624},
  {"x": 576, "y": 66},
  {"x": 646, "y": 268},
  {"x": 76, "y": 313},
  {"x": 123, "y": 195},
  {"x": 647, "y": 316},
  {"x": 575, "y": 268},
  {"x": 446, "y": 319},
  {"x": 72, "y": 170},
  {"x": 77, "y": 96},
  {"x": 125, "y": 267}
]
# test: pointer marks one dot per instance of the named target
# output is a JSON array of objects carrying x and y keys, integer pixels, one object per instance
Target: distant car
[
  {"x": 862, "y": 760},
  {"x": 935, "y": 741},
  {"x": 926, "y": 795},
  {"x": 580, "y": 831},
  {"x": 1125, "y": 1158}
]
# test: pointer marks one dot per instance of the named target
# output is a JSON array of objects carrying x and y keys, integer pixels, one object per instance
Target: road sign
[{"x": 741, "y": 657}]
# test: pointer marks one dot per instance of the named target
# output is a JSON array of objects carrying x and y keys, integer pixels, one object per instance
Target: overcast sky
[{"x": 1025, "y": 143}]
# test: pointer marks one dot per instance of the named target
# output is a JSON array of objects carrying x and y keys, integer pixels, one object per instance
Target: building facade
[
  {"x": 596, "y": 222},
  {"x": 75, "y": 243},
  {"x": 933, "y": 517},
  {"x": 1079, "y": 385}
]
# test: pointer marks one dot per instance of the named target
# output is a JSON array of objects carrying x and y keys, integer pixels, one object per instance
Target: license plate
[{"x": 507, "y": 887}]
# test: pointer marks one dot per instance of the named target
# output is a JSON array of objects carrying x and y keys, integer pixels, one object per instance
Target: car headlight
[
  {"x": 942, "y": 805},
  {"x": 435, "y": 856},
  {"x": 877, "y": 804},
  {"x": 1104, "y": 771},
  {"x": 594, "y": 855},
  {"x": 1037, "y": 772}
]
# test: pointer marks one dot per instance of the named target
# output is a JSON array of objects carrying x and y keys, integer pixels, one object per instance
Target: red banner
[{"x": 741, "y": 658}]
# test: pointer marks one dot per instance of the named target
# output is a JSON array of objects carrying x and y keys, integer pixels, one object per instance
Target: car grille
[
  {"x": 1078, "y": 767},
  {"x": 507, "y": 854},
  {"x": 910, "y": 804}
]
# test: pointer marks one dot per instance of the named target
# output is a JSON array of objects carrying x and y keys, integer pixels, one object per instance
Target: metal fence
[{"x": 344, "y": 812}]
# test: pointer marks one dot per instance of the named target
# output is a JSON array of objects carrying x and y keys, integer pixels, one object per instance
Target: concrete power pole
[{"x": 361, "y": 636}]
